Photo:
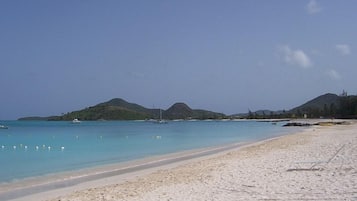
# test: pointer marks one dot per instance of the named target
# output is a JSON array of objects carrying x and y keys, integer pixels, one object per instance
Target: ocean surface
[{"x": 36, "y": 148}]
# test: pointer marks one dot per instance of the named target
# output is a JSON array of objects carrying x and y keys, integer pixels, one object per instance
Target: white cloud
[
  {"x": 295, "y": 57},
  {"x": 333, "y": 74},
  {"x": 343, "y": 49},
  {"x": 313, "y": 7}
]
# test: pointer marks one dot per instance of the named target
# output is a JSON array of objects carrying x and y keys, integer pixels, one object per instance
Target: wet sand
[{"x": 316, "y": 164}]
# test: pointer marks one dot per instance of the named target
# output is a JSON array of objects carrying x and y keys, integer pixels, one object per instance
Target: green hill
[
  {"x": 115, "y": 109},
  {"x": 178, "y": 111},
  {"x": 119, "y": 109},
  {"x": 183, "y": 111},
  {"x": 324, "y": 105},
  {"x": 327, "y": 105}
]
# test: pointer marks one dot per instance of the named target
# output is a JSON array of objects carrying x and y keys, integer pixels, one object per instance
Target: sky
[{"x": 225, "y": 56}]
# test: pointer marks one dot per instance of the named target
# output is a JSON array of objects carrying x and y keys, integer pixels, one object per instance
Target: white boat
[
  {"x": 76, "y": 121},
  {"x": 3, "y": 127},
  {"x": 161, "y": 121}
]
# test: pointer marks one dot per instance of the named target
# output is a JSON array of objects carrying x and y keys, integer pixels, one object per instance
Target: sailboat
[{"x": 161, "y": 121}]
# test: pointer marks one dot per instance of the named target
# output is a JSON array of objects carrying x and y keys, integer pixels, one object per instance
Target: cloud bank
[
  {"x": 343, "y": 49},
  {"x": 295, "y": 57},
  {"x": 313, "y": 7}
]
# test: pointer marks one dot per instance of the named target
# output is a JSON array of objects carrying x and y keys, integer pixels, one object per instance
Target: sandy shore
[{"x": 317, "y": 164}]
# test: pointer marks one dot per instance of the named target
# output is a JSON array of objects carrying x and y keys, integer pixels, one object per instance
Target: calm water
[{"x": 34, "y": 148}]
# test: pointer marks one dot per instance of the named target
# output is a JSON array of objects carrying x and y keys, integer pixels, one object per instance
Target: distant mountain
[
  {"x": 319, "y": 103},
  {"x": 119, "y": 109},
  {"x": 183, "y": 111},
  {"x": 324, "y": 105},
  {"x": 36, "y": 118},
  {"x": 327, "y": 105},
  {"x": 179, "y": 111},
  {"x": 115, "y": 109},
  {"x": 120, "y": 103}
]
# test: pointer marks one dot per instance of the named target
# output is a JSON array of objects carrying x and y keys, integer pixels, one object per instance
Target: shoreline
[
  {"x": 29, "y": 187},
  {"x": 122, "y": 175},
  {"x": 42, "y": 184}
]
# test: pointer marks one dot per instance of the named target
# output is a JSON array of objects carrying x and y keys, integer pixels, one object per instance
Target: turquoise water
[{"x": 34, "y": 148}]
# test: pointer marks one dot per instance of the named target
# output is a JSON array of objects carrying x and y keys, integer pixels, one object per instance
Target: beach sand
[{"x": 319, "y": 163}]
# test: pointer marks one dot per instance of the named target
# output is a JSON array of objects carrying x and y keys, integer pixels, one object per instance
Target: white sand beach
[{"x": 319, "y": 163}]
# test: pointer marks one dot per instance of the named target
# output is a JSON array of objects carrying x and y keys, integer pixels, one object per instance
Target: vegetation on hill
[
  {"x": 348, "y": 107},
  {"x": 36, "y": 118},
  {"x": 183, "y": 111},
  {"x": 179, "y": 111},
  {"x": 115, "y": 109},
  {"x": 266, "y": 114},
  {"x": 326, "y": 106},
  {"x": 119, "y": 109}
]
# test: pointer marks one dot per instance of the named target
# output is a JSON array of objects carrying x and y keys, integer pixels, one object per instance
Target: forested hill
[
  {"x": 183, "y": 111},
  {"x": 328, "y": 106},
  {"x": 115, "y": 109},
  {"x": 119, "y": 109},
  {"x": 325, "y": 106}
]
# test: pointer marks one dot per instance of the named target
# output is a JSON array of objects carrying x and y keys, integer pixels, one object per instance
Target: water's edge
[{"x": 22, "y": 188}]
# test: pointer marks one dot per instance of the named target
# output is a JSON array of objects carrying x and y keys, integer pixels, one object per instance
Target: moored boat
[
  {"x": 76, "y": 121},
  {"x": 161, "y": 121},
  {"x": 3, "y": 127}
]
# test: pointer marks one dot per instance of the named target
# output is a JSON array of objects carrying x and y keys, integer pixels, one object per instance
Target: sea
[{"x": 37, "y": 148}]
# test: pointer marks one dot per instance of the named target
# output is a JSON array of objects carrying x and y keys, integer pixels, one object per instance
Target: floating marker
[
  {"x": 26, "y": 147},
  {"x": 14, "y": 147},
  {"x": 49, "y": 148},
  {"x": 2, "y": 147},
  {"x": 62, "y": 148},
  {"x": 37, "y": 148}
]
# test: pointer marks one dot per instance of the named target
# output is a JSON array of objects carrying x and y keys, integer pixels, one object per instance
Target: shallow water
[{"x": 35, "y": 148}]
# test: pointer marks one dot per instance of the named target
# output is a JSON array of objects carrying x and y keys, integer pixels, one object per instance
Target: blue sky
[{"x": 225, "y": 56}]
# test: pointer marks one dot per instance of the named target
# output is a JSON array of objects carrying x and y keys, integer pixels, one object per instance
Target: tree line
[{"x": 345, "y": 108}]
